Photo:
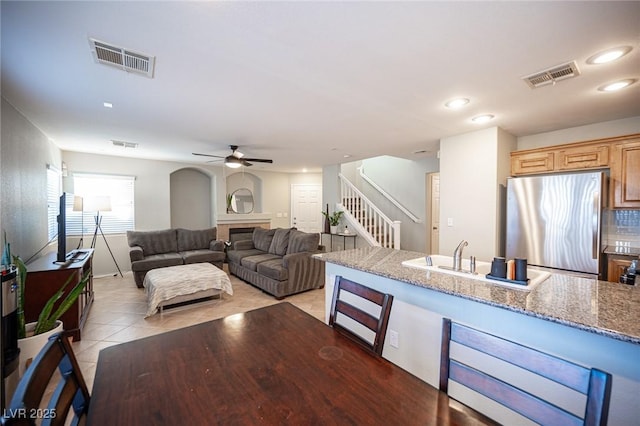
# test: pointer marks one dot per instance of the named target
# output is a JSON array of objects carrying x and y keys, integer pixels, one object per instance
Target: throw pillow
[
  {"x": 280, "y": 242},
  {"x": 262, "y": 238},
  {"x": 302, "y": 241}
]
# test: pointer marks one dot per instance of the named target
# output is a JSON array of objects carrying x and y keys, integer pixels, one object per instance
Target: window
[
  {"x": 112, "y": 195},
  {"x": 54, "y": 185}
]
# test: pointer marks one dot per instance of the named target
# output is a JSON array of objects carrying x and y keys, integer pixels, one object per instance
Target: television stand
[{"x": 44, "y": 279}]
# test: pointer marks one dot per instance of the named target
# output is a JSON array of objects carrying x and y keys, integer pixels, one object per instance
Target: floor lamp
[{"x": 100, "y": 204}]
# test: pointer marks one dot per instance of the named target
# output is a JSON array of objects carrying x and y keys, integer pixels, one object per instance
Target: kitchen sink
[{"x": 443, "y": 264}]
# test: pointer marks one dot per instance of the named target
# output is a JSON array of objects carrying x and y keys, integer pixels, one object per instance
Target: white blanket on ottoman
[{"x": 163, "y": 284}]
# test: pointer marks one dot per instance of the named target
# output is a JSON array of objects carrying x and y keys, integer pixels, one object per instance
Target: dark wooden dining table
[{"x": 273, "y": 365}]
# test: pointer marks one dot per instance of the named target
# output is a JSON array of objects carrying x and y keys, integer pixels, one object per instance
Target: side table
[{"x": 344, "y": 239}]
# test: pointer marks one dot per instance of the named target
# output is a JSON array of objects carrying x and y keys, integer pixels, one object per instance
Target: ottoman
[{"x": 183, "y": 283}]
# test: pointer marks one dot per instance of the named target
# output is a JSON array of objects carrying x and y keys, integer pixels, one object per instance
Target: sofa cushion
[
  {"x": 195, "y": 239},
  {"x": 198, "y": 256},
  {"x": 302, "y": 241},
  {"x": 262, "y": 238},
  {"x": 280, "y": 242},
  {"x": 154, "y": 242},
  {"x": 236, "y": 256},
  {"x": 273, "y": 269},
  {"x": 156, "y": 261},
  {"x": 251, "y": 262}
]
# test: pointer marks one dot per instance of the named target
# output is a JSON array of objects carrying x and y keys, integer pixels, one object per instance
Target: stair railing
[{"x": 371, "y": 223}]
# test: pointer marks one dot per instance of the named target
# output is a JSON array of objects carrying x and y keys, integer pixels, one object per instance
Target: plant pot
[
  {"x": 30, "y": 346},
  {"x": 334, "y": 229}
]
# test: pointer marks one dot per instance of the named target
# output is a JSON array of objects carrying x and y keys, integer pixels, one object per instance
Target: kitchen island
[{"x": 590, "y": 322}]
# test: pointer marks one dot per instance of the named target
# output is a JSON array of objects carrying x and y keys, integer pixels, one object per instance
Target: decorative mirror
[{"x": 242, "y": 201}]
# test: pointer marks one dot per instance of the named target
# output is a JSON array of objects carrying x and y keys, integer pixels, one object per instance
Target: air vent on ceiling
[
  {"x": 124, "y": 144},
  {"x": 552, "y": 75},
  {"x": 125, "y": 59}
]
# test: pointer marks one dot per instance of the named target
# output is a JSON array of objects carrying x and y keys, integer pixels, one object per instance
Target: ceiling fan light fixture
[{"x": 233, "y": 164}]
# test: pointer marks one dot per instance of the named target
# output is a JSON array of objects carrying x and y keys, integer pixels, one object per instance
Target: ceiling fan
[{"x": 236, "y": 159}]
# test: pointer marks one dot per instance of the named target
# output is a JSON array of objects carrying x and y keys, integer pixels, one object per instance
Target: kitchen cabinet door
[
  {"x": 582, "y": 157},
  {"x": 531, "y": 162},
  {"x": 625, "y": 174},
  {"x": 616, "y": 265}
]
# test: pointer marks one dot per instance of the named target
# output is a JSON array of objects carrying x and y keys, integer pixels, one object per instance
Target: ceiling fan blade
[
  {"x": 207, "y": 155},
  {"x": 258, "y": 160}
]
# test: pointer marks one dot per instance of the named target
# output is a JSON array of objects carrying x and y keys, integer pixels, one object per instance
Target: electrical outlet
[
  {"x": 450, "y": 221},
  {"x": 393, "y": 338}
]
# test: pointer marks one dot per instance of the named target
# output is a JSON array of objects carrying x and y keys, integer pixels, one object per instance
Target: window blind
[{"x": 96, "y": 189}]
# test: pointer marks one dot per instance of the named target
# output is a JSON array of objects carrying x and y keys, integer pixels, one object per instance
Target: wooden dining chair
[
  {"x": 360, "y": 295},
  {"x": 592, "y": 383},
  {"x": 70, "y": 391}
]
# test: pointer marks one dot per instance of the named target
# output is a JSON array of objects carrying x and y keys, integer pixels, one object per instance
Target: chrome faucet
[{"x": 457, "y": 255}]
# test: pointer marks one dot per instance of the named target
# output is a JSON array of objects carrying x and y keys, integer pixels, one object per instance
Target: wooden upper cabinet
[
  {"x": 575, "y": 156},
  {"x": 583, "y": 157},
  {"x": 625, "y": 173},
  {"x": 531, "y": 162}
]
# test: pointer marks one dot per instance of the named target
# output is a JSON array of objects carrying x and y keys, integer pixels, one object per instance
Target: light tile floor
[{"x": 117, "y": 314}]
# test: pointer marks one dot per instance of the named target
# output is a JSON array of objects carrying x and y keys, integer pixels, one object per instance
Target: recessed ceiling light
[
  {"x": 457, "y": 103},
  {"x": 615, "y": 86},
  {"x": 304, "y": 170},
  {"x": 609, "y": 55},
  {"x": 107, "y": 104},
  {"x": 482, "y": 118},
  {"x": 346, "y": 156}
]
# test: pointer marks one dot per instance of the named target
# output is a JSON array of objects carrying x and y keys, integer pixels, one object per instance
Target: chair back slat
[
  {"x": 70, "y": 392},
  {"x": 532, "y": 407},
  {"x": 593, "y": 383},
  {"x": 376, "y": 323}
]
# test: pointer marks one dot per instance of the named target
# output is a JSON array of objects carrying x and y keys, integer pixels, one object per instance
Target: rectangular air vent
[
  {"x": 552, "y": 75},
  {"x": 125, "y": 59},
  {"x": 124, "y": 144}
]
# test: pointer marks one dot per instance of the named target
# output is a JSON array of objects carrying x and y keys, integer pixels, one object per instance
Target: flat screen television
[{"x": 68, "y": 204}]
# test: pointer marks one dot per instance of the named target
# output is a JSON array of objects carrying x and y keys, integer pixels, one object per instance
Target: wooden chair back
[
  {"x": 593, "y": 383},
  {"x": 376, "y": 322},
  {"x": 68, "y": 393}
]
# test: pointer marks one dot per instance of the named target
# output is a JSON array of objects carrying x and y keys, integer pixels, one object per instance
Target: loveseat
[
  {"x": 170, "y": 247},
  {"x": 278, "y": 261}
]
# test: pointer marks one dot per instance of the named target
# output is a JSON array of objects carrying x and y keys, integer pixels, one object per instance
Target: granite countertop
[{"x": 601, "y": 307}]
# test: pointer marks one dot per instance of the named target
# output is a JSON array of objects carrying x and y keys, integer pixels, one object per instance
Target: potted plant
[
  {"x": 33, "y": 336},
  {"x": 334, "y": 220},
  {"x": 229, "y": 199}
]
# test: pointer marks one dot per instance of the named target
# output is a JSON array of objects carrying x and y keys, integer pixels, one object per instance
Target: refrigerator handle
[{"x": 595, "y": 225}]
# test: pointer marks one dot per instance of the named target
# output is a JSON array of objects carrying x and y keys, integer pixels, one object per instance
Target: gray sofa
[
  {"x": 170, "y": 247},
  {"x": 278, "y": 261}
]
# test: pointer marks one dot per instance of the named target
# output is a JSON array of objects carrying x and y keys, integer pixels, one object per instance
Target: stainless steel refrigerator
[{"x": 554, "y": 221}]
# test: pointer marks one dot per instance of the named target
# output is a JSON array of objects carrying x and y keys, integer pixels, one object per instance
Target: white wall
[
  {"x": 26, "y": 151},
  {"x": 405, "y": 181},
  {"x": 472, "y": 168},
  {"x": 605, "y": 129},
  {"x": 191, "y": 199}
]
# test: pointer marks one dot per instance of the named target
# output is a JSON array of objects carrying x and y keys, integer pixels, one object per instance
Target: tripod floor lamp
[{"x": 100, "y": 204}]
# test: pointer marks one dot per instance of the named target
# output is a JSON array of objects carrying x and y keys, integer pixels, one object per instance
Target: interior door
[
  {"x": 306, "y": 207},
  {"x": 434, "y": 209}
]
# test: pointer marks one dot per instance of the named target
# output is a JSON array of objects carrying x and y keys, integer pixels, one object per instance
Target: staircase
[{"x": 373, "y": 225}]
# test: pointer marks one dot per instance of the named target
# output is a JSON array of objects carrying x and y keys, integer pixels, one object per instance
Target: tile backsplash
[{"x": 621, "y": 227}]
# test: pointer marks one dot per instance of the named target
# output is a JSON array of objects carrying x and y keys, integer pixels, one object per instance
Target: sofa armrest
[
  {"x": 216, "y": 245},
  {"x": 135, "y": 253},
  {"x": 305, "y": 271},
  {"x": 243, "y": 245}
]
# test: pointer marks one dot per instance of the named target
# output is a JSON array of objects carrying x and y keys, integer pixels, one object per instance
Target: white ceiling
[{"x": 306, "y": 83}]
